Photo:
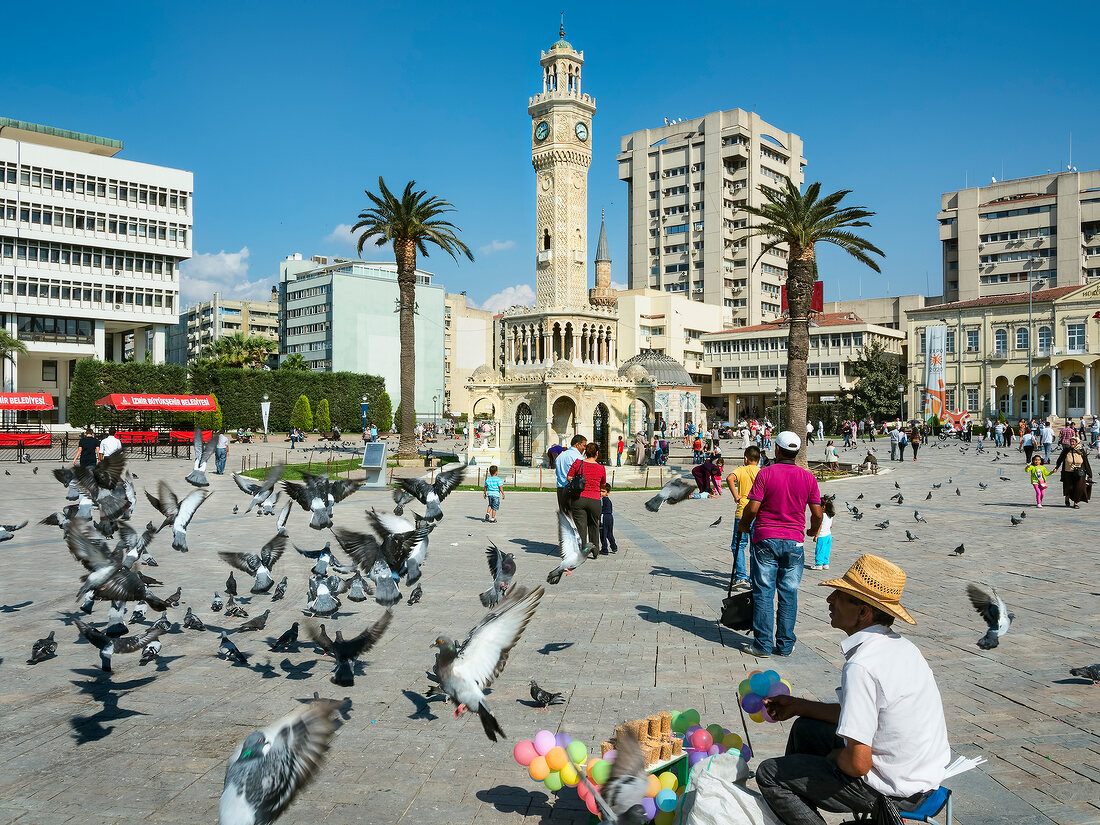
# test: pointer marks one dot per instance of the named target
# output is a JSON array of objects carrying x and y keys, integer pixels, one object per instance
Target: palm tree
[
  {"x": 294, "y": 361},
  {"x": 409, "y": 222},
  {"x": 239, "y": 350},
  {"x": 10, "y": 346},
  {"x": 801, "y": 222}
]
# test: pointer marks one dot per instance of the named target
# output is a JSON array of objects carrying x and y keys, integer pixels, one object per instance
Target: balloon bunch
[
  {"x": 662, "y": 795},
  {"x": 554, "y": 760},
  {"x": 700, "y": 742},
  {"x": 761, "y": 685}
]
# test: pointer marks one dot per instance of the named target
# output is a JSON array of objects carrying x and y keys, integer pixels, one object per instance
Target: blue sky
[{"x": 286, "y": 112}]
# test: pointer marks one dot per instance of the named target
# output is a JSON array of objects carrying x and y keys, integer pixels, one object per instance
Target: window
[
  {"x": 1021, "y": 338},
  {"x": 972, "y": 342},
  {"x": 1045, "y": 339},
  {"x": 49, "y": 372},
  {"x": 1000, "y": 340},
  {"x": 972, "y": 398},
  {"x": 749, "y": 372},
  {"x": 730, "y": 373},
  {"x": 676, "y": 230},
  {"x": 949, "y": 399},
  {"x": 951, "y": 342},
  {"x": 1075, "y": 337},
  {"x": 832, "y": 368},
  {"x": 769, "y": 371},
  {"x": 813, "y": 369}
]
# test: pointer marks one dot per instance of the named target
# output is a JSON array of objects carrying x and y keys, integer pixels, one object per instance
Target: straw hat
[{"x": 877, "y": 582}]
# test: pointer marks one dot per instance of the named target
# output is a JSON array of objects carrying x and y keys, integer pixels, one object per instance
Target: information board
[{"x": 374, "y": 464}]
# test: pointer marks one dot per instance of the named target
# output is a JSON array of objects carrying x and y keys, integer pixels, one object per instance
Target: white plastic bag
[{"x": 716, "y": 795}]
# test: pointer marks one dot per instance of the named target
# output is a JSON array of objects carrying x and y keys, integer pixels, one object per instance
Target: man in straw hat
[{"x": 887, "y": 736}]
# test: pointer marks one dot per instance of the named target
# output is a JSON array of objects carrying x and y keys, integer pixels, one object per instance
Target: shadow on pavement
[
  {"x": 714, "y": 578},
  {"x": 704, "y": 627}
]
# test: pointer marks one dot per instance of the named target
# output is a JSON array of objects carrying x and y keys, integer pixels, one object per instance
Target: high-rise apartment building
[
  {"x": 686, "y": 233},
  {"x": 203, "y": 323},
  {"x": 467, "y": 344},
  {"x": 90, "y": 249},
  {"x": 996, "y": 238}
]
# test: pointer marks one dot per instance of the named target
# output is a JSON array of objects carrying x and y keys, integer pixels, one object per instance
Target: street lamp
[
  {"x": 435, "y": 418},
  {"x": 901, "y": 401},
  {"x": 779, "y": 408},
  {"x": 363, "y": 412},
  {"x": 262, "y": 408}
]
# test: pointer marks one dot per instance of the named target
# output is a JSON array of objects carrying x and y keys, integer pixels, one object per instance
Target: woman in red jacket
[{"x": 586, "y": 509}]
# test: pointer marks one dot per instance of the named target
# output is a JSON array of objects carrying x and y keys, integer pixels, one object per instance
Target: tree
[
  {"x": 302, "y": 416},
  {"x": 321, "y": 417},
  {"x": 876, "y": 388},
  {"x": 380, "y": 413},
  {"x": 239, "y": 350},
  {"x": 10, "y": 346},
  {"x": 398, "y": 418},
  {"x": 801, "y": 222},
  {"x": 294, "y": 361},
  {"x": 409, "y": 223},
  {"x": 210, "y": 420}
]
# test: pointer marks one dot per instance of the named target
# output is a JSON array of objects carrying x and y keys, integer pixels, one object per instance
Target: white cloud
[
  {"x": 224, "y": 272},
  {"x": 495, "y": 246},
  {"x": 519, "y": 295},
  {"x": 619, "y": 287},
  {"x": 342, "y": 234}
]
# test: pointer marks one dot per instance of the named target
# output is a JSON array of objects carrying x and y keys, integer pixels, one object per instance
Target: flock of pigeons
[{"x": 268, "y": 769}]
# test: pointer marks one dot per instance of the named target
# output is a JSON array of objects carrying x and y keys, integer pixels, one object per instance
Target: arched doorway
[
  {"x": 1075, "y": 397},
  {"x": 524, "y": 425},
  {"x": 638, "y": 418},
  {"x": 601, "y": 426},
  {"x": 563, "y": 419}
]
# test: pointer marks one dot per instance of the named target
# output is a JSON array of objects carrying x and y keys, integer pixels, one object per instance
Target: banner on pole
[
  {"x": 935, "y": 371},
  {"x": 265, "y": 410}
]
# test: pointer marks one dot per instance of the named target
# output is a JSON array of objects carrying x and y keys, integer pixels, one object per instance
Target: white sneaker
[
  {"x": 817, "y": 567},
  {"x": 824, "y": 567}
]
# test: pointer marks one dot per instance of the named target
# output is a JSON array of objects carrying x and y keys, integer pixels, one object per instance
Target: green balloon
[
  {"x": 678, "y": 724},
  {"x": 601, "y": 771},
  {"x": 577, "y": 751},
  {"x": 716, "y": 732},
  {"x": 553, "y": 781},
  {"x": 744, "y": 687},
  {"x": 692, "y": 717}
]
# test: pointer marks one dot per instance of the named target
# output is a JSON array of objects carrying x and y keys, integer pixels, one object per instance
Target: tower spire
[{"x": 561, "y": 30}]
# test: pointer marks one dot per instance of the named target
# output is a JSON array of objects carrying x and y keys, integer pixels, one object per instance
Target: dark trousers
[
  {"x": 586, "y": 514},
  {"x": 607, "y": 535},
  {"x": 1028, "y": 450},
  {"x": 563, "y": 503}
]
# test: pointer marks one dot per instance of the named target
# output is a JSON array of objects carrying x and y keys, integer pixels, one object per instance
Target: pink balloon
[
  {"x": 524, "y": 752},
  {"x": 582, "y": 789},
  {"x": 764, "y": 712},
  {"x": 714, "y": 750},
  {"x": 610, "y": 755},
  {"x": 590, "y": 803},
  {"x": 701, "y": 740},
  {"x": 721, "y": 748},
  {"x": 544, "y": 742},
  {"x": 778, "y": 689}
]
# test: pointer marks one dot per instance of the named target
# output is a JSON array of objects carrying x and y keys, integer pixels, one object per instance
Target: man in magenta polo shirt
[{"x": 776, "y": 513}]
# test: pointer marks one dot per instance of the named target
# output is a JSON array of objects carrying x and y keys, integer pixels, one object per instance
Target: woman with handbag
[
  {"x": 587, "y": 507},
  {"x": 1076, "y": 473}
]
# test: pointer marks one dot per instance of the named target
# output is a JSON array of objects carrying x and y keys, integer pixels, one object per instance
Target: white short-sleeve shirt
[
  {"x": 889, "y": 700},
  {"x": 109, "y": 446}
]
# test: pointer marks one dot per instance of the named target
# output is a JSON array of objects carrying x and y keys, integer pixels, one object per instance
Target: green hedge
[
  {"x": 239, "y": 392},
  {"x": 301, "y": 417},
  {"x": 321, "y": 419}
]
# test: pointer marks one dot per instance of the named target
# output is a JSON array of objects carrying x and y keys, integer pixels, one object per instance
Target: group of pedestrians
[{"x": 592, "y": 511}]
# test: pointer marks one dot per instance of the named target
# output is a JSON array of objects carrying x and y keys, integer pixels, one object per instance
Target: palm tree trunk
[
  {"x": 405, "y": 254},
  {"x": 800, "y": 288}
]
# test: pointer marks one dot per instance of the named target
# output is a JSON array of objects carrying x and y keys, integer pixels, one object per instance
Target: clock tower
[{"x": 561, "y": 152}]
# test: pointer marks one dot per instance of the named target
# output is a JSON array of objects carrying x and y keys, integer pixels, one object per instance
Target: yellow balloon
[
  {"x": 668, "y": 780},
  {"x": 569, "y": 775},
  {"x": 664, "y": 818},
  {"x": 788, "y": 684},
  {"x": 756, "y": 717},
  {"x": 731, "y": 740}
]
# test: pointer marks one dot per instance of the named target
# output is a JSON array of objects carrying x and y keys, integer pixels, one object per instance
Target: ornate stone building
[{"x": 555, "y": 371}]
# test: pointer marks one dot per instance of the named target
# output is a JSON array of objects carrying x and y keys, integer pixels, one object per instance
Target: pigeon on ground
[
  {"x": 324, "y": 643},
  {"x": 897, "y": 486},
  {"x": 268, "y": 769},
  {"x": 346, "y": 652},
  {"x": 859, "y": 497},
  {"x": 234, "y": 610},
  {"x": 191, "y": 621},
  {"x": 280, "y": 590},
  {"x": 229, "y": 651},
  {"x": 895, "y": 497},
  {"x": 936, "y": 485},
  {"x": 991, "y": 608},
  {"x": 259, "y": 490},
  {"x": 177, "y": 513},
  {"x": 982, "y": 485},
  {"x": 901, "y": 499},
  {"x": 958, "y": 492},
  {"x": 216, "y": 603},
  {"x": 919, "y": 518},
  {"x": 929, "y": 496},
  {"x": 1091, "y": 672},
  {"x": 716, "y": 522},
  {"x": 236, "y": 509},
  {"x": 116, "y": 620},
  {"x": 416, "y": 595},
  {"x": 878, "y": 505},
  {"x": 1023, "y": 514},
  {"x": 569, "y": 546},
  {"x": 320, "y": 600},
  {"x": 256, "y": 623},
  {"x": 359, "y": 589},
  {"x": 910, "y": 537},
  {"x": 7, "y": 531},
  {"x": 857, "y": 516},
  {"x": 950, "y": 481},
  {"x": 43, "y": 649},
  {"x": 163, "y": 623},
  {"x": 150, "y": 652},
  {"x": 231, "y": 585},
  {"x": 465, "y": 671},
  {"x": 882, "y": 525},
  {"x": 317, "y": 495},
  {"x": 619, "y": 800},
  {"x": 288, "y": 639},
  {"x": 502, "y": 567},
  {"x": 544, "y": 698},
  {"x": 1015, "y": 521},
  {"x": 203, "y": 453},
  {"x": 259, "y": 564},
  {"x": 958, "y": 551},
  {"x": 674, "y": 491},
  {"x": 109, "y": 646},
  {"x": 430, "y": 495}
]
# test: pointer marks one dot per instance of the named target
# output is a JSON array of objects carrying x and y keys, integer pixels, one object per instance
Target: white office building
[{"x": 90, "y": 249}]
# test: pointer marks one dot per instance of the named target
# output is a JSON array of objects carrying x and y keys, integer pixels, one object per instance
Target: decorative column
[
  {"x": 1054, "y": 389},
  {"x": 1088, "y": 389},
  {"x": 547, "y": 345},
  {"x": 99, "y": 339},
  {"x": 159, "y": 335},
  {"x": 139, "y": 344},
  {"x": 1011, "y": 401}
]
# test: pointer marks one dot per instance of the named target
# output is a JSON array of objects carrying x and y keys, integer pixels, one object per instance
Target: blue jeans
[
  {"x": 1046, "y": 452},
  {"x": 776, "y": 568},
  {"x": 219, "y": 460},
  {"x": 741, "y": 567},
  {"x": 619, "y": 459}
]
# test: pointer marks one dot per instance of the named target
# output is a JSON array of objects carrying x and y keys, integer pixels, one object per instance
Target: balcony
[{"x": 999, "y": 355}]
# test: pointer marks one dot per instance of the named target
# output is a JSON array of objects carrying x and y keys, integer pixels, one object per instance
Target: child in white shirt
[{"x": 824, "y": 539}]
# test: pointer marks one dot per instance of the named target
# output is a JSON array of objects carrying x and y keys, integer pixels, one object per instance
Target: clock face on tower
[
  {"x": 542, "y": 130},
  {"x": 582, "y": 132}
]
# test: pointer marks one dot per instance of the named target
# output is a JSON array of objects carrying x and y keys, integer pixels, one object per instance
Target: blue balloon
[
  {"x": 759, "y": 684},
  {"x": 666, "y": 800},
  {"x": 752, "y": 703},
  {"x": 773, "y": 677}
]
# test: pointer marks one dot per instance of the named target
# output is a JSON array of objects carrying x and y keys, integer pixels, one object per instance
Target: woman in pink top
[{"x": 586, "y": 509}]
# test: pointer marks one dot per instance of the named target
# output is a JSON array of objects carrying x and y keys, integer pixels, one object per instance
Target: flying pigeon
[
  {"x": 381, "y": 560},
  {"x": 259, "y": 490},
  {"x": 991, "y": 608},
  {"x": 217, "y": 604},
  {"x": 1015, "y": 521},
  {"x": 268, "y": 769},
  {"x": 674, "y": 491},
  {"x": 43, "y": 649},
  {"x": 317, "y": 495},
  {"x": 430, "y": 495},
  {"x": 1092, "y": 672},
  {"x": 619, "y": 800},
  {"x": 108, "y": 577},
  {"x": 192, "y": 622},
  {"x": 7, "y": 531},
  {"x": 280, "y": 590},
  {"x": 410, "y": 542},
  {"x": 108, "y": 646},
  {"x": 346, "y": 652},
  {"x": 177, "y": 513},
  {"x": 502, "y": 567},
  {"x": 465, "y": 671},
  {"x": 267, "y": 507},
  {"x": 284, "y": 514},
  {"x": 288, "y": 639},
  {"x": 569, "y": 545},
  {"x": 229, "y": 651},
  {"x": 545, "y": 698},
  {"x": 323, "y": 558},
  {"x": 203, "y": 453},
  {"x": 716, "y": 522},
  {"x": 256, "y": 623},
  {"x": 958, "y": 551},
  {"x": 66, "y": 477},
  {"x": 919, "y": 518},
  {"x": 910, "y": 537},
  {"x": 882, "y": 525},
  {"x": 100, "y": 477},
  {"x": 416, "y": 595},
  {"x": 257, "y": 564}
]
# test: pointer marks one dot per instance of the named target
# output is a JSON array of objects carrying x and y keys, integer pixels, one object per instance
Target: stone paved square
[{"x": 624, "y": 636}]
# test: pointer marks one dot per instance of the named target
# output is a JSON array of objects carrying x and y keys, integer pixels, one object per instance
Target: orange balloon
[
  {"x": 557, "y": 758},
  {"x": 653, "y": 786},
  {"x": 538, "y": 768}
]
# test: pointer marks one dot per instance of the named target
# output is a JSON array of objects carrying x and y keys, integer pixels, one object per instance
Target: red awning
[
  {"x": 26, "y": 401},
  {"x": 176, "y": 403}
]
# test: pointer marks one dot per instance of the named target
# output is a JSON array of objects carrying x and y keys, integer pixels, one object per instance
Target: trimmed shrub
[
  {"x": 94, "y": 379},
  {"x": 321, "y": 417},
  {"x": 302, "y": 416},
  {"x": 380, "y": 413},
  {"x": 210, "y": 420}
]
